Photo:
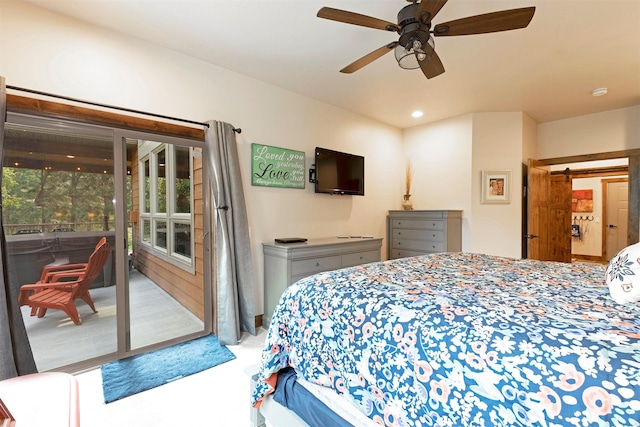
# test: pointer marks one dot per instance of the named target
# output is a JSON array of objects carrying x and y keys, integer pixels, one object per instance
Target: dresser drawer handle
[
  {"x": 360, "y": 256},
  {"x": 317, "y": 264}
]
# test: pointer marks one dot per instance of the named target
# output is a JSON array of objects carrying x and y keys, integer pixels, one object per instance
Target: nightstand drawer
[
  {"x": 420, "y": 232},
  {"x": 418, "y": 245},
  {"x": 422, "y": 224},
  {"x": 349, "y": 260},
  {"x": 399, "y": 253},
  {"x": 430, "y": 235},
  {"x": 315, "y": 265}
]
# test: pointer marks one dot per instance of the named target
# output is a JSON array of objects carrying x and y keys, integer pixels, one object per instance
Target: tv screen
[{"x": 339, "y": 173}]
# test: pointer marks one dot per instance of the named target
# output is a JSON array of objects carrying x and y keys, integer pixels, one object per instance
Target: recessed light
[
  {"x": 599, "y": 92},
  {"x": 416, "y": 114}
]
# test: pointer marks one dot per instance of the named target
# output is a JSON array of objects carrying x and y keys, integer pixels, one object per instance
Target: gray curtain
[
  {"x": 15, "y": 352},
  {"x": 232, "y": 263}
]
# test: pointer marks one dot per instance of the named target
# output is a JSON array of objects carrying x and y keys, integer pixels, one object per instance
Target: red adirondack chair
[
  {"x": 59, "y": 289},
  {"x": 49, "y": 271}
]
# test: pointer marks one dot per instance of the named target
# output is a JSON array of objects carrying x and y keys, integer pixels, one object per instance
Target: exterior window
[
  {"x": 182, "y": 239},
  {"x": 146, "y": 189},
  {"x": 161, "y": 234},
  {"x": 183, "y": 181},
  {"x": 161, "y": 186},
  {"x": 168, "y": 225},
  {"x": 146, "y": 231}
]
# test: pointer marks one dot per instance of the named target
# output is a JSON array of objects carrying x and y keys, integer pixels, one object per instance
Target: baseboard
[
  {"x": 258, "y": 320},
  {"x": 589, "y": 258}
]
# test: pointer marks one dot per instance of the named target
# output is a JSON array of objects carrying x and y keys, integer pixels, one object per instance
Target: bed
[{"x": 461, "y": 339}]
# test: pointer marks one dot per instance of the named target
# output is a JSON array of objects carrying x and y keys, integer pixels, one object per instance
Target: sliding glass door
[
  {"x": 68, "y": 185},
  {"x": 166, "y": 276}
]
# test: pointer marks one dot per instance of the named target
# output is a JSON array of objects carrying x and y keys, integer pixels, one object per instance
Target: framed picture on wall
[{"x": 496, "y": 186}]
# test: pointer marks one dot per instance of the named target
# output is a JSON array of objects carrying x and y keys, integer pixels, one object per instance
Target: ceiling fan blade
[
  {"x": 356, "y": 19},
  {"x": 487, "y": 23},
  {"x": 432, "y": 7},
  {"x": 368, "y": 58},
  {"x": 433, "y": 67}
]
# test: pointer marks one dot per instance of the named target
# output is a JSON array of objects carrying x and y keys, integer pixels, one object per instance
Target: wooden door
[
  {"x": 539, "y": 182},
  {"x": 616, "y": 215},
  {"x": 559, "y": 235}
]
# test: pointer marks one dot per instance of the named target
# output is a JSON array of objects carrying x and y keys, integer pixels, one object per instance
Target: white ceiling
[{"x": 547, "y": 70}]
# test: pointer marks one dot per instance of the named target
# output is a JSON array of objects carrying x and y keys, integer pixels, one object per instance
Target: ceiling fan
[{"x": 416, "y": 48}]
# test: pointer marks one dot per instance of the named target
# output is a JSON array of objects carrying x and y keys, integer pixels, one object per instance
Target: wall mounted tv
[{"x": 339, "y": 173}]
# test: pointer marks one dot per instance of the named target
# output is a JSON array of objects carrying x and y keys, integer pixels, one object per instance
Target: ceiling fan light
[
  {"x": 410, "y": 56},
  {"x": 406, "y": 58}
]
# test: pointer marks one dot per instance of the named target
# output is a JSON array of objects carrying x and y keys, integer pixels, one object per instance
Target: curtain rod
[{"x": 237, "y": 130}]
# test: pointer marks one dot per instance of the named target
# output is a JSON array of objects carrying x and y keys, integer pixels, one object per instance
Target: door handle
[{"x": 531, "y": 236}]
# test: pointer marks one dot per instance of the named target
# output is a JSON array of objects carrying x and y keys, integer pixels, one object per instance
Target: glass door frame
[
  {"x": 119, "y": 137},
  {"x": 122, "y": 293}
]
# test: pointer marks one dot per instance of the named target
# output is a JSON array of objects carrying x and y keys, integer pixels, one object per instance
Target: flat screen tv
[{"x": 339, "y": 173}]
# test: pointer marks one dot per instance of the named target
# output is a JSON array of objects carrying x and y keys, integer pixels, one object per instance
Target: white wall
[
  {"x": 613, "y": 130},
  {"x": 529, "y": 139},
  {"x": 51, "y": 53},
  {"x": 441, "y": 162},
  {"x": 449, "y": 157},
  {"x": 497, "y": 145}
]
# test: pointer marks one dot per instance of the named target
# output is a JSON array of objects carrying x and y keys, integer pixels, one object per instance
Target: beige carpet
[{"x": 216, "y": 397}]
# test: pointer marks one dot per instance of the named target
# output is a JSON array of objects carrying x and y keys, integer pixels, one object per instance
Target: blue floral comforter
[{"x": 463, "y": 340}]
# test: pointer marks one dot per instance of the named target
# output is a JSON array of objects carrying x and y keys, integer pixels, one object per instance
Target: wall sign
[{"x": 276, "y": 167}]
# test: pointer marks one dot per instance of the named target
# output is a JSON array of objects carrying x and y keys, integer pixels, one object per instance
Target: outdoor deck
[{"x": 155, "y": 317}]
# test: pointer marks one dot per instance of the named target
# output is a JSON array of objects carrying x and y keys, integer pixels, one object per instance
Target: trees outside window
[{"x": 166, "y": 190}]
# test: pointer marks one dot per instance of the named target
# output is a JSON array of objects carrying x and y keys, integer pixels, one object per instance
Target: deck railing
[{"x": 60, "y": 227}]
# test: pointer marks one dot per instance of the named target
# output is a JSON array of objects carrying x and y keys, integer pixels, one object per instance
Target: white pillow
[{"x": 623, "y": 275}]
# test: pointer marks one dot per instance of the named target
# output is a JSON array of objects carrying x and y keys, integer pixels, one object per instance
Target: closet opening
[
  {"x": 565, "y": 216},
  {"x": 597, "y": 231}
]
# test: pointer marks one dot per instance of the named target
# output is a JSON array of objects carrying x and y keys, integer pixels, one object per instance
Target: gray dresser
[
  {"x": 414, "y": 233},
  {"x": 285, "y": 264}
]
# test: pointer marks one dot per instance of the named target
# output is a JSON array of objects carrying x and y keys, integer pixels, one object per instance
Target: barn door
[
  {"x": 560, "y": 219},
  {"x": 538, "y": 179}
]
